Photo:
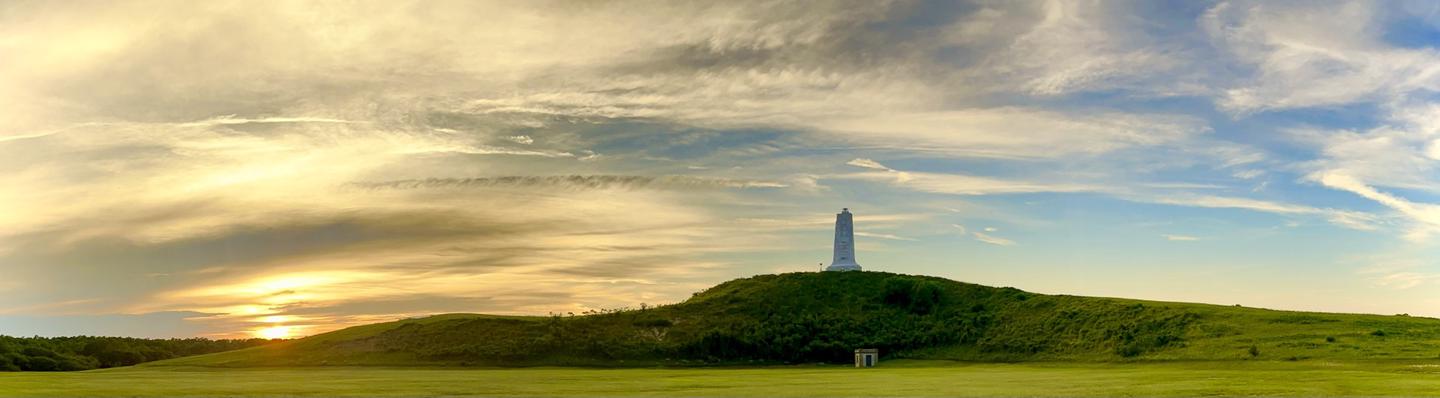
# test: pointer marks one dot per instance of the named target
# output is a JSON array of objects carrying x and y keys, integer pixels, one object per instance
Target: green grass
[{"x": 893, "y": 378}]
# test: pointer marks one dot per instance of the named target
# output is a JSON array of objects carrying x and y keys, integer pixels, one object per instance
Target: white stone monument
[{"x": 844, "y": 259}]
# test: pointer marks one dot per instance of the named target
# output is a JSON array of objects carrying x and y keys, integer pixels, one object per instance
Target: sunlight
[
  {"x": 274, "y": 332},
  {"x": 278, "y": 318}
]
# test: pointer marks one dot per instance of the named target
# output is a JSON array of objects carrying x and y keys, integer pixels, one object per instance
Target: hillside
[{"x": 822, "y": 317}]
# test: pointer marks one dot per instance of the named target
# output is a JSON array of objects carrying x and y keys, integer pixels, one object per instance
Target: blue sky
[{"x": 229, "y": 169}]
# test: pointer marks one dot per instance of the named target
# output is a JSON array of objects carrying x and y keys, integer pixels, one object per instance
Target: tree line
[{"x": 92, "y": 352}]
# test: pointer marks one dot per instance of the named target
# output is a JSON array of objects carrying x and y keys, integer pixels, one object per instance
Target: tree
[{"x": 42, "y": 364}]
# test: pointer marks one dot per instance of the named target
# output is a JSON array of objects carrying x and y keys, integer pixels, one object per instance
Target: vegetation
[
  {"x": 893, "y": 378},
  {"x": 87, "y": 352},
  {"x": 823, "y": 317}
]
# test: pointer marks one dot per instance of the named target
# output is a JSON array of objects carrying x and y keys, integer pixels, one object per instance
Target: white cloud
[
  {"x": 1053, "y": 48},
  {"x": 1013, "y": 132},
  {"x": 521, "y": 139},
  {"x": 1313, "y": 54},
  {"x": 1180, "y": 238},
  {"x": 1346, "y": 218},
  {"x": 867, "y": 163},
  {"x": 233, "y": 120},
  {"x": 960, "y": 184},
  {"x": 1404, "y": 280},
  {"x": 1248, "y": 173},
  {"x": 986, "y": 238},
  {"x": 882, "y": 236},
  {"x": 1398, "y": 271},
  {"x": 1425, "y": 216}
]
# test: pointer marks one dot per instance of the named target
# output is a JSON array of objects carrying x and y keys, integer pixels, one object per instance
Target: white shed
[{"x": 867, "y": 357}]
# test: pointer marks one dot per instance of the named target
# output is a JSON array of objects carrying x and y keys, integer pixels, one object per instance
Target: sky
[{"x": 279, "y": 168}]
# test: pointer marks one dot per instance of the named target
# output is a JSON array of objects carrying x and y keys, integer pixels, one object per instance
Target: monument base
[{"x": 843, "y": 267}]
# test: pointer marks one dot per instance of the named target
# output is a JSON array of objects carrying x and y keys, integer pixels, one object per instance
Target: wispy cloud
[
  {"x": 1179, "y": 238},
  {"x": 956, "y": 184},
  {"x": 882, "y": 236},
  {"x": 577, "y": 181},
  {"x": 986, "y": 238},
  {"x": 1309, "y": 55}
]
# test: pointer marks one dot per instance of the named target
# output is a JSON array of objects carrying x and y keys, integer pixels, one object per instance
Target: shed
[{"x": 866, "y": 357}]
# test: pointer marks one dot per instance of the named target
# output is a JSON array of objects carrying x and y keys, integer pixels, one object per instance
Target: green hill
[{"x": 823, "y": 317}]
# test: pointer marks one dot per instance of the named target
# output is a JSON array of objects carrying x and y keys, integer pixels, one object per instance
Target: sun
[{"x": 274, "y": 332}]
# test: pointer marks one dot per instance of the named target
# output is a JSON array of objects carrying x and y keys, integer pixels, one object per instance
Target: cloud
[
  {"x": 1397, "y": 271},
  {"x": 1169, "y": 194},
  {"x": 1072, "y": 46},
  {"x": 576, "y": 182},
  {"x": 1179, "y": 238},
  {"x": 867, "y": 163},
  {"x": 960, "y": 184},
  {"x": 1248, "y": 174},
  {"x": 1013, "y": 132},
  {"x": 232, "y": 120},
  {"x": 1425, "y": 216},
  {"x": 882, "y": 236},
  {"x": 1308, "y": 55},
  {"x": 159, "y": 325},
  {"x": 1346, "y": 218},
  {"x": 982, "y": 237},
  {"x": 1404, "y": 280}
]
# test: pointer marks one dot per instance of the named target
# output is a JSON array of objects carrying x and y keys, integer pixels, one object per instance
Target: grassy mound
[{"x": 823, "y": 317}]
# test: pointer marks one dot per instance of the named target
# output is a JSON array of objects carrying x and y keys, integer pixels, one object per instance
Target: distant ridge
[{"x": 824, "y": 316}]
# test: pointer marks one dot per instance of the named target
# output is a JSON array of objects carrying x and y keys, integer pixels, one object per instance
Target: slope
[{"x": 822, "y": 317}]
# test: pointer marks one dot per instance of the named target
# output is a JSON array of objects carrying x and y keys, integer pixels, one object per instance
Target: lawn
[{"x": 895, "y": 378}]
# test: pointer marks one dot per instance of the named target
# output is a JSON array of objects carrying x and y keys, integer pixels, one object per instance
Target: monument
[{"x": 844, "y": 259}]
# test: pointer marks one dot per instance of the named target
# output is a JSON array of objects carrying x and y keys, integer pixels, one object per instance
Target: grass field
[{"x": 896, "y": 378}]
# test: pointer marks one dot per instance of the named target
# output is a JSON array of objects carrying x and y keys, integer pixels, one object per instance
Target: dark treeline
[{"x": 89, "y": 352}]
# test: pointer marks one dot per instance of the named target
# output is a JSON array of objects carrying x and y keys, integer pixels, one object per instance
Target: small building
[{"x": 866, "y": 357}]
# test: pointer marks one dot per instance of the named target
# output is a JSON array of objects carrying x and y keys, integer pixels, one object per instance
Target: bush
[
  {"x": 1254, "y": 351},
  {"x": 925, "y": 297},
  {"x": 897, "y": 291},
  {"x": 1329, "y": 339},
  {"x": 38, "y": 352},
  {"x": 1378, "y": 333},
  {"x": 42, "y": 364},
  {"x": 1129, "y": 350}
]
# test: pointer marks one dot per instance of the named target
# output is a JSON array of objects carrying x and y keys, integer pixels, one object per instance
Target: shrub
[
  {"x": 42, "y": 364},
  {"x": 1329, "y": 339},
  {"x": 925, "y": 297},
  {"x": 1128, "y": 350},
  {"x": 1254, "y": 351},
  {"x": 897, "y": 291},
  {"x": 1378, "y": 333}
]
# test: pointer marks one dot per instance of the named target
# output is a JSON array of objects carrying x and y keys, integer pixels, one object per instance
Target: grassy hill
[{"x": 823, "y": 317}]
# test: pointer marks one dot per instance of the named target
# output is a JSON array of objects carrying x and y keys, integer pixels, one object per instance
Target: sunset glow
[{"x": 274, "y": 332}]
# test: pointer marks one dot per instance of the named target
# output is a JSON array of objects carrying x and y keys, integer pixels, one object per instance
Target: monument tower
[{"x": 844, "y": 259}]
